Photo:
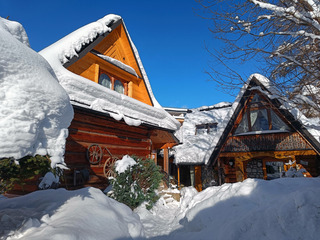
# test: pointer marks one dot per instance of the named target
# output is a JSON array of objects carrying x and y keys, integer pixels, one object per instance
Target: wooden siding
[
  {"x": 117, "y": 46},
  {"x": 266, "y": 142},
  {"x": 120, "y": 139}
]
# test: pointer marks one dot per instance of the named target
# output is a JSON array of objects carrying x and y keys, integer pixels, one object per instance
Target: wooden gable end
[
  {"x": 117, "y": 46},
  {"x": 265, "y": 140}
]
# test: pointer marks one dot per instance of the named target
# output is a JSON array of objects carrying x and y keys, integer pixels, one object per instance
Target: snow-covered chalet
[
  {"x": 115, "y": 110},
  {"x": 261, "y": 135}
]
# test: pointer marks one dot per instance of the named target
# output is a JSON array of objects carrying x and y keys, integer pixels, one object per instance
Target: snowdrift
[
  {"x": 35, "y": 111},
  {"x": 254, "y": 209},
  {"x": 60, "y": 214}
]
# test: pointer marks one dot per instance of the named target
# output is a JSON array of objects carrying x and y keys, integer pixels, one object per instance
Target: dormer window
[
  {"x": 105, "y": 80},
  {"x": 118, "y": 86},
  {"x": 260, "y": 117},
  {"x": 111, "y": 82},
  {"x": 208, "y": 128}
]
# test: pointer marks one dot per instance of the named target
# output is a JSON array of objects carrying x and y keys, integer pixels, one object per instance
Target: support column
[
  {"x": 178, "y": 168},
  {"x": 166, "y": 160}
]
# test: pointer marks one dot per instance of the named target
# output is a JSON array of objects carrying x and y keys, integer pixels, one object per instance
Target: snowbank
[
  {"x": 253, "y": 209},
  {"x": 60, "y": 214},
  {"x": 35, "y": 111}
]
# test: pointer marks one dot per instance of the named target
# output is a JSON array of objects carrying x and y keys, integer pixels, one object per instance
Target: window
[
  {"x": 104, "y": 80},
  {"x": 260, "y": 117},
  {"x": 108, "y": 81},
  {"x": 118, "y": 86},
  {"x": 208, "y": 128}
]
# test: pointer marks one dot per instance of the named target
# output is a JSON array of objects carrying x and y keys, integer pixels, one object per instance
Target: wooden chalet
[
  {"x": 260, "y": 136},
  {"x": 115, "y": 112},
  {"x": 263, "y": 136}
]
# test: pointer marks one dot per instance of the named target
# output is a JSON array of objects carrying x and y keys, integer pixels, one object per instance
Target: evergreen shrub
[
  {"x": 18, "y": 171},
  {"x": 137, "y": 184}
]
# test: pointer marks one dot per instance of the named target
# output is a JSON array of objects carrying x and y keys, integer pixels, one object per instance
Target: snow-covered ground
[{"x": 287, "y": 208}]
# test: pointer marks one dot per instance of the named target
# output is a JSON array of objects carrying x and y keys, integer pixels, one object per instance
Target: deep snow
[
  {"x": 35, "y": 111},
  {"x": 286, "y": 208}
]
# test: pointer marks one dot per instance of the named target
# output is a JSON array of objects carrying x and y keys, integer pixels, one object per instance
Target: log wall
[{"x": 120, "y": 139}]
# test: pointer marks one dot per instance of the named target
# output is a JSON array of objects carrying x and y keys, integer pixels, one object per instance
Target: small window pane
[
  {"x": 104, "y": 80},
  {"x": 259, "y": 120},
  {"x": 277, "y": 123},
  {"x": 243, "y": 126},
  {"x": 118, "y": 86},
  {"x": 256, "y": 98},
  {"x": 201, "y": 129}
]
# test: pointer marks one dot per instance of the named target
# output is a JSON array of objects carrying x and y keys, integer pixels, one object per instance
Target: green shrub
[
  {"x": 137, "y": 184},
  {"x": 27, "y": 168}
]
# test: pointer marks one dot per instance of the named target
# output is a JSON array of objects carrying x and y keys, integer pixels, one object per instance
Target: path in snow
[{"x": 162, "y": 219}]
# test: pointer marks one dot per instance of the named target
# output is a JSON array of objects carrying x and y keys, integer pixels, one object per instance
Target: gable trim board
[{"x": 254, "y": 82}]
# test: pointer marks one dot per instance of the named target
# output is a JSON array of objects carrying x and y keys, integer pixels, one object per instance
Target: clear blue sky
[{"x": 168, "y": 34}]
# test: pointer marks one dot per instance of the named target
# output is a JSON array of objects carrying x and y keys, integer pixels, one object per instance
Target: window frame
[
  {"x": 264, "y": 103},
  {"x": 113, "y": 79}
]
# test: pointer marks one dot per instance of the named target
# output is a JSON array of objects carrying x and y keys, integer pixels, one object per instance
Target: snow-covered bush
[{"x": 136, "y": 182}]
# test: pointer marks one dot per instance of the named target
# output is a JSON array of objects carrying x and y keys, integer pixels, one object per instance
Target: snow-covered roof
[
  {"x": 193, "y": 147},
  {"x": 309, "y": 127},
  {"x": 35, "y": 111},
  {"x": 88, "y": 94}
]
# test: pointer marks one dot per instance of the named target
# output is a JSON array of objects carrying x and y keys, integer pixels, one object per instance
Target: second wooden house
[{"x": 260, "y": 136}]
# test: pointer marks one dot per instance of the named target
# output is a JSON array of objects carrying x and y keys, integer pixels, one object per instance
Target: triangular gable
[
  {"x": 291, "y": 117},
  {"x": 108, "y": 36},
  {"x": 76, "y": 47}
]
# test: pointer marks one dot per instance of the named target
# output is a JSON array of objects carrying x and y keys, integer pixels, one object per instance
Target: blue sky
[{"x": 168, "y": 34}]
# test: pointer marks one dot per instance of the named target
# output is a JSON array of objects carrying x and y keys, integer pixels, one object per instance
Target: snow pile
[
  {"x": 88, "y": 94},
  {"x": 253, "y": 209},
  {"x": 194, "y": 146},
  {"x": 35, "y": 110},
  {"x": 125, "y": 163},
  {"x": 49, "y": 181},
  {"x": 60, "y": 214}
]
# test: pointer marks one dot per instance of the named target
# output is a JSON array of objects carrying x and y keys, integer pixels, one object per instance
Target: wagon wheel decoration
[
  {"x": 108, "y": 167},
  {"x": 94, "y": 154}
]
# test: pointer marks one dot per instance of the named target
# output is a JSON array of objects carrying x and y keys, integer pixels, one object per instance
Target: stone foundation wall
[{"x": 254, "y": 169}]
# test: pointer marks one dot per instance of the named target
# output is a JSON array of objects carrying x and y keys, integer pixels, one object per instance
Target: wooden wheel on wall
[
  {"x": 108, "y": 167},
  {"x": 94, "y": 154}
]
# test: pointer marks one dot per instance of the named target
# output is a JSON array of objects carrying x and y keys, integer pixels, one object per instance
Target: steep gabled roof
[
  {"x": 308, "y": 128},
  {"x": 85, "y": 93}
]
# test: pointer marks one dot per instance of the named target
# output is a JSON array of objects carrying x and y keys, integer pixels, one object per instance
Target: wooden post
[
  {"x": 178, "y": 168},
  {"x": 166, "y": 160}
]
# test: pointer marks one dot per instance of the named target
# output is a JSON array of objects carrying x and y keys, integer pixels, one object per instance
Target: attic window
[
  {"x": 207, "y": 128},
  {"x": 260, "y": 117},
  {"x": 118, "y": 86},
  {"x": 105, "y": 80},
  {"x": 109, "y": 81}
]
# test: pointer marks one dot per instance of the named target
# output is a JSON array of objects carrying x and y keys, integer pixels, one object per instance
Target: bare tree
[{"x": 282, "y": 34}]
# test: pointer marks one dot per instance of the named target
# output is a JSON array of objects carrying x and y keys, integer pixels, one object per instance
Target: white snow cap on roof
[
  {"x": 86, "y": 93},
  {"x": 35, "y": 110}
]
